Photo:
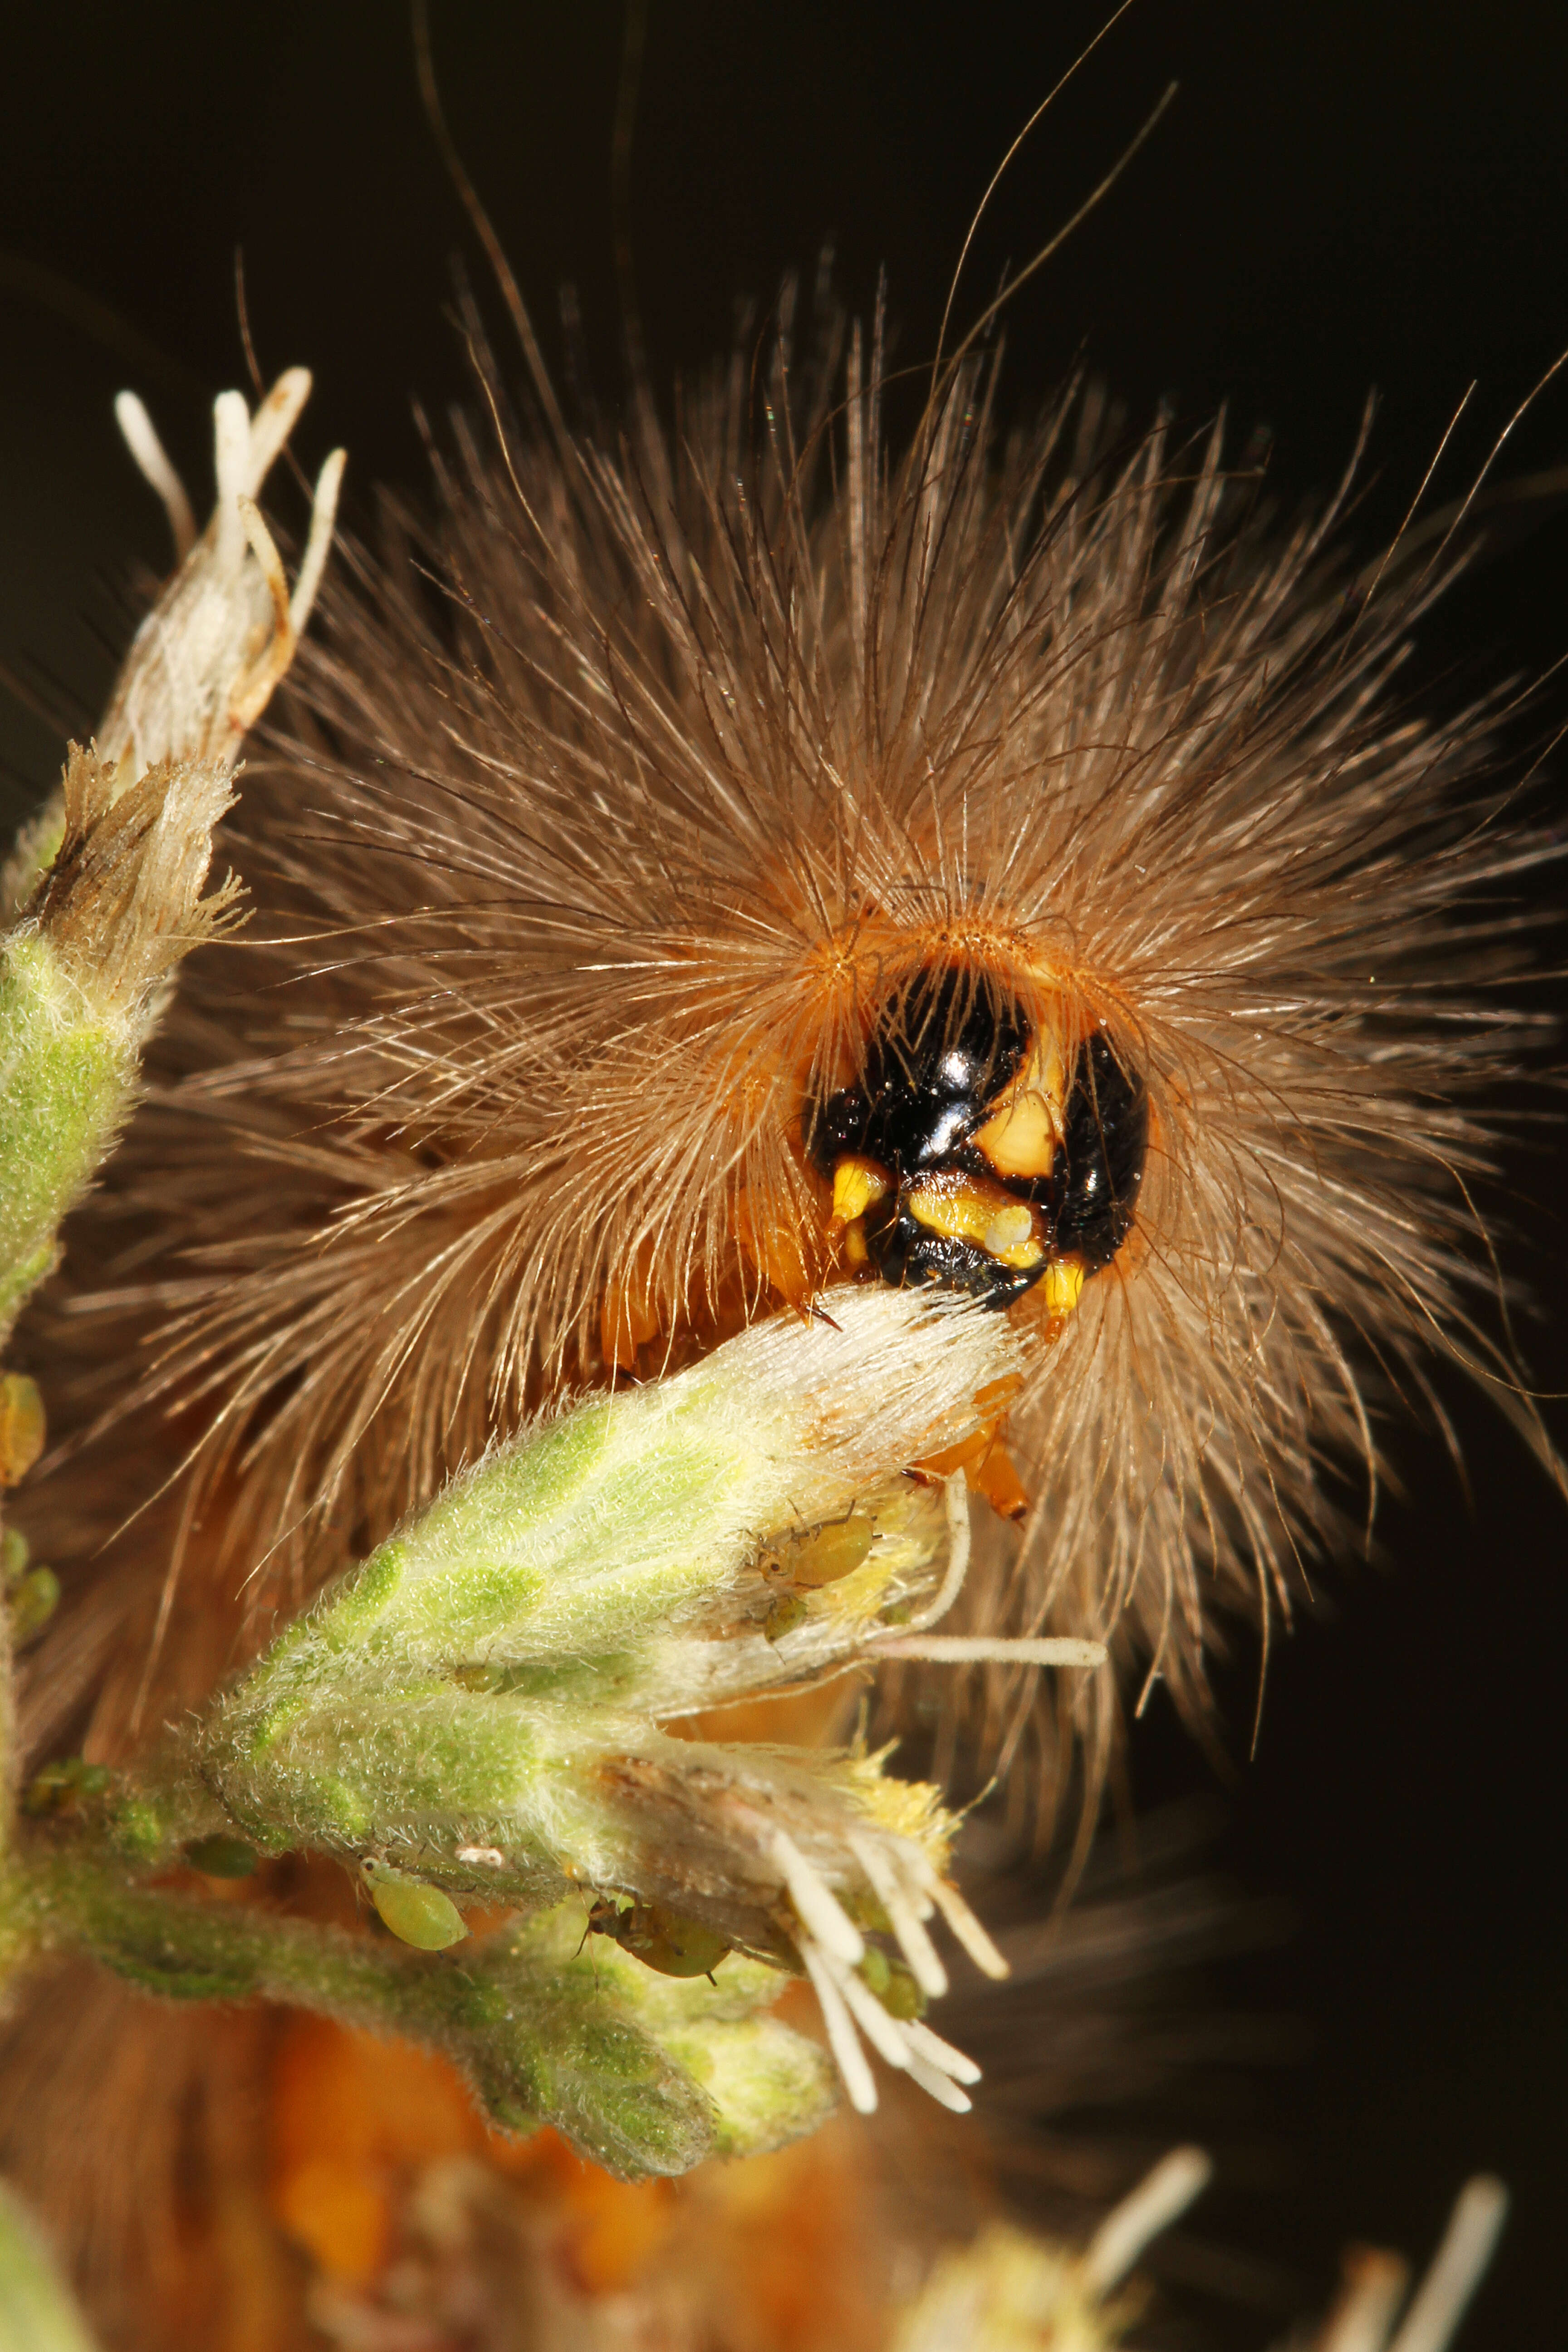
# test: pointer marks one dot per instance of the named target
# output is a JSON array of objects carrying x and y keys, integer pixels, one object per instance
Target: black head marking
[
  {"x": 1101, "y": 1163},
  {"x": 942, "y": 1052}
]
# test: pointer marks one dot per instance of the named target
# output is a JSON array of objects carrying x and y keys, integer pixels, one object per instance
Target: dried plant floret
[
  {"x": 122, "y": 902},
  {"x": 102, "y": 894}
]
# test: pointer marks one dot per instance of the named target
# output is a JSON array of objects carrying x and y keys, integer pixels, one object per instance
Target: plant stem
[{"x": 645, "y": 2076}]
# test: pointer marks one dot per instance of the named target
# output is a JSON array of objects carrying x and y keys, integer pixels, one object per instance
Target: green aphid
[
  {"x": 892, "y": 1984},
  {"x": 221, "y": 1857},
  {"x": 787, "y": 1612},
  {"x": 415, "y": 1914},
  {"x": 61, "y": 1787},
  {"x": 659, "y": 1937},
  {"x": 813, "y": 1557}
]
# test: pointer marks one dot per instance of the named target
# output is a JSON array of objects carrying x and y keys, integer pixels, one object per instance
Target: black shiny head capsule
[
  {"x": 967, "y": 1156},
  {"x": 939, "y": 1056}
]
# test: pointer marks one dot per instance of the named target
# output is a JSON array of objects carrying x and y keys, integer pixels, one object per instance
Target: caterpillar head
[{"x": 983, "y": 1145}]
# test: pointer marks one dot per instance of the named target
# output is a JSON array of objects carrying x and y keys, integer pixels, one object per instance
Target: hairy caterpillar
[
  {"x": 1095, "y": 988},
  {"x": 627, "y": 993}
]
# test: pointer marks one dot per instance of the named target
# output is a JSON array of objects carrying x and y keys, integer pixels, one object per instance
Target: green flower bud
[{"x": 78, "y": 980}]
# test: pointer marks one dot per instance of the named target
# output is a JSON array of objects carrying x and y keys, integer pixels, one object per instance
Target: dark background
[{"x": 1345, "y": 196}]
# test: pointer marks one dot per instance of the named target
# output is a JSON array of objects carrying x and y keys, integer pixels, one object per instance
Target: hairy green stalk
[
  {"x": 66, "y": 1071},
  {"x": 644, "y": 2075}
]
